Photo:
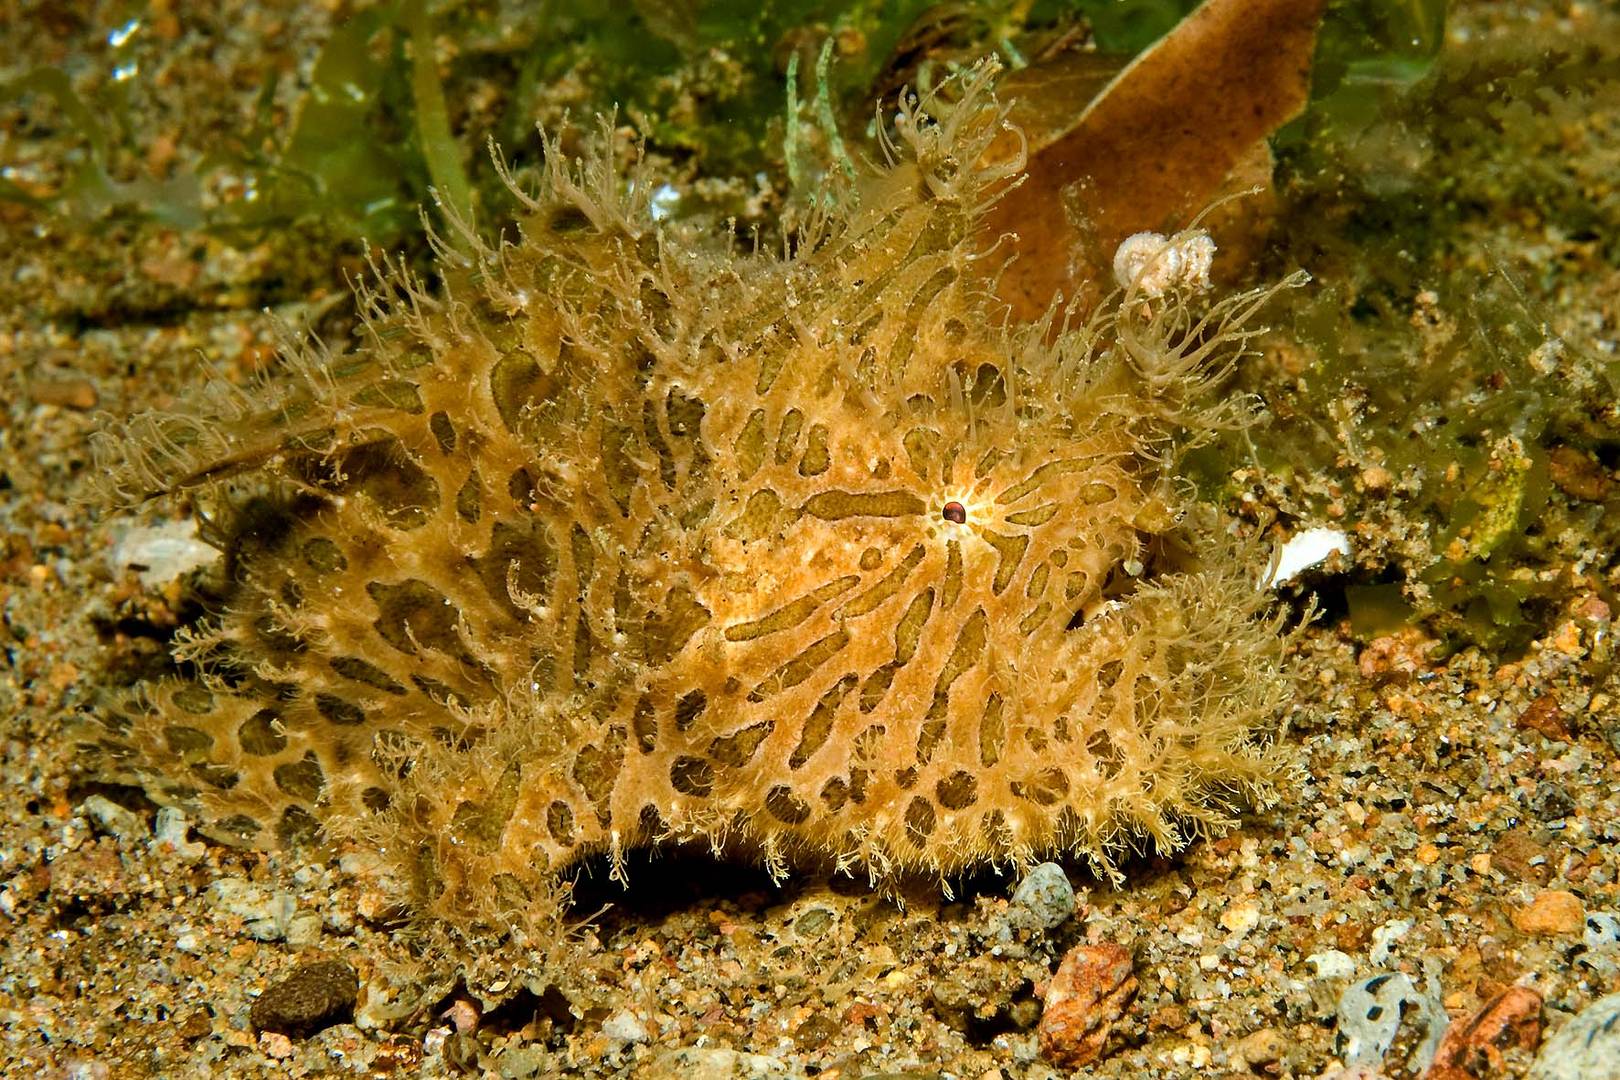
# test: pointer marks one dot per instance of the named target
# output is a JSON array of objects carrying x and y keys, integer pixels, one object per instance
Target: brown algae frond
[{"x": 628, "y": 536}]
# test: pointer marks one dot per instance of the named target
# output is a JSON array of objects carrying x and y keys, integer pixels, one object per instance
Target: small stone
[
  {"x": 1043, "y": 900},
  {"x": 303, "y": 929},
  {"x": 1261, "y": 1048},
  {"x": 1383, "y": 938},
  {"x": 276, "y": 1045},
  {"x": 1308, "y": 550},
  {"x": 1586, "y": 1048},
  {"x": 982, "y": 991},
  {"x": 316, "y": 995},
  {"x": 715, "y": 1063},
  {"x": 1592, "y": 611},
  {"x": 1546, "y": 716},
  {"x": 1551, "y": 801},
  {"x": 1602, "y": 932},
  {"x": 1473, "y": 1047},
  {"x": 1085, "y": 998},
  {"x": 1375, "y": 479},
  {"x": 92, "y": 873},
  {"x": 264, "y": 912},
  {"x": 1377, "y": 1012},
  {"x": 813, "y": 923},
  {"x": 1552, "y": 912},
  {"x": 1240, "y": 918},
  {"x": 1577, "y": 474},
  {"x": 519, "y": 1063},
  {"x": 626, "y": 1027},
  {"x": 197, "y": 1025},
  {"x": 112, "y": 819},
  {"x": 172, "y": 836},
  {"x": 1331, "y": 964},
  {"x": 463, "y": 1014},
  {"x": 1395, "y": 658},
  {"x": 162, "y": 553},
  {"x": 73, "y": 392},
  {"x": 1352, "y": 935}
]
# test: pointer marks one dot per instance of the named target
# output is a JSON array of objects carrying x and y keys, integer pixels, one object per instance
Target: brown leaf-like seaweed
[{"x": 1182, "y": 122}]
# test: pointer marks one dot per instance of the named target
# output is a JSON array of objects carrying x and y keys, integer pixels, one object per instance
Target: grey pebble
[
  {"x": 519, "y": 1063},
  {"x": 1044, "y": 899},
  {"x": 114, "y": 820},
  {"x": 1586, "y": 1048},
  {"x": 626, "y": 1027},
  {"x": 265, "y": 912}
]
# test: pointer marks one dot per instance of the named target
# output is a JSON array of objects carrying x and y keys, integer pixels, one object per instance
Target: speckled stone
[
  {"x": 314, "y": 996},
  {"x": 1044, "y": 899},
  {"x": 1586, "y": 1048}
]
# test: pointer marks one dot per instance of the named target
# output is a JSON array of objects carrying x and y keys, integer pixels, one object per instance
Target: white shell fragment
[
  {"x": 161, "y": 553},
  {"x": 1154, "y": 263},
  {"x": 1305, "y": 550}
]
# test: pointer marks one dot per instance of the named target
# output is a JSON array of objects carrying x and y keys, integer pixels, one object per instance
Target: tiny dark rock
[
  {"x": 1551, "y": 802},
  {"x": 314, "y": 996}
]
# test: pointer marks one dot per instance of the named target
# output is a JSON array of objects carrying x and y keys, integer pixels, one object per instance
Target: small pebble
[
  {"x": 1473, "y": 1047},
  {"x": 1085, "y": 998},
  {"x": 1602, "y": 931},
  {"x": 519, "y": 1063},
  {"x": 1552, "y": 912},
  {"x": 72, "y": 392},
  {"x": 1240, "y": 918},
  {"x": 171, "y": 835},
  {"x": 463, "y": 1014},
  {"x": 1545, "y": 716},
  {"x": 1261, "y": 1048},
  {"x": 264, "y": 912},
  {"x": 625, "y": 1027},
  {"x": 1043, "y": 900},
  {"x": 1331, "y": 964},
  {"x": 276, "y": 1045},
  {"x": 1384, "y": 937},
  {"x": 715, "y": 1063},
  {"x": 161, "y": 553},
  {"x": 112, "y": 819},
  {"x": 303, "y": 929},
  {"x": 1373, "y": 1012},
  {"x": 316, "y": 995}
]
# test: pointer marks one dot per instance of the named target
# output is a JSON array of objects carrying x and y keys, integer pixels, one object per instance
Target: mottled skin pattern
[{"x": 626, "y": 537}]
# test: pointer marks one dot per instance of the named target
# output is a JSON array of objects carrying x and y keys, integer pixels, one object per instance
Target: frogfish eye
[{"x": 954, "y": 512}]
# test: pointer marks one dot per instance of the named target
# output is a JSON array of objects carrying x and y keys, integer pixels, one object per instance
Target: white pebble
[
  {"x": 161, "y": 553},
  {"x": 113, "y": 819},
  {"x": 172, "y": 832},
  {"x": 625, "y": 1026}
]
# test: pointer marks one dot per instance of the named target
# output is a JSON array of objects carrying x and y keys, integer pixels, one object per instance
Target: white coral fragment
[{"x": 1152, "y": 263}]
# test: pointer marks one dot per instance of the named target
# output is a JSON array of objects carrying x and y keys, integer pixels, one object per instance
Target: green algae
[{"x": 1431, "y": 376}]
